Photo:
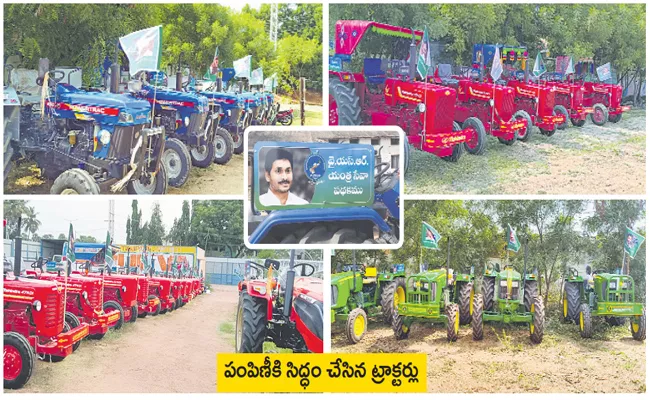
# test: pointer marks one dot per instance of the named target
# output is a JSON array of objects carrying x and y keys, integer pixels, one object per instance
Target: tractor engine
[{"x": 166, "y": 118}]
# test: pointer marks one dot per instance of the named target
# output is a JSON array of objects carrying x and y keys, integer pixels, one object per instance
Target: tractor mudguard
[
  {"x": 252, "y": 288},
  {"x": 309, "y": 322},
  {"x": 297, "y": 216},
  {"x": 348, "y": 76}
]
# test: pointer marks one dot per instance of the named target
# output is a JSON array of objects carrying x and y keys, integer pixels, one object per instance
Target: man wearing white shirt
[{"x": 278, "y": 171}]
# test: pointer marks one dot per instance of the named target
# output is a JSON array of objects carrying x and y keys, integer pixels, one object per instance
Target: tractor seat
[
  {"x": 445, "y": 73},
  {"x": 373, "y": 72}
]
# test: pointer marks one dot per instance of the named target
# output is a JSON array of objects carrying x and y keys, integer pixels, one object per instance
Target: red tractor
[
  {"x": 161, "y": 288},
  {"x": 570, "y": 96},
  {"x": 285, "y": 310},
  {"x": 83, "y": 301},
  {"x": 386, "y": 92},
  {"x": 34, "y": 323},
  {"x": 605, "y": 98},
  {"x": 120, "y": 293}
]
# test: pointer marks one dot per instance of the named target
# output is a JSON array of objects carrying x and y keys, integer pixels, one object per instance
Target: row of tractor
[
  {"x": 444, "y": 112},
  {"x": 141, "y": 137},
  {"x": 48, "y": 314},
  {"x": 440, "y": 295}
]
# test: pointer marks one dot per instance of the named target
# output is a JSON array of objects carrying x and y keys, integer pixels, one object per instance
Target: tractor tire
[
  {"x": 521, "y": 114},
  {"x": 158, "y": 186},
  {"x": 18, "y": 360},
  {"x": 453, "y": 321},
  {"x": 561, "y": 110},
  {"x": 158, "y": 306},
  {"x": 114, "y": 305},
  {"x": 348, "y": 104},
  {"x": 73, "y": 322},
  {"x": 547, "y": 133},
  {"x": 465, "y": 299},
  {"x": 250, "y": 329},
  {"x": 407, "y": 153},
  {"x": 615, "y": 118},
  {"x": 203, "y": 156},
  {"x": 356, "y": 325},
  {"x": 615, "y": 321},
  {"x": 537, "y": 325},
  {"x": 391, "y": 296},
  {"x": 143, "y": 315},
  {"x": 458, "y": 149},
  {"x": 178, "y": 161},
  {"x": 56, "y": 359},
  {"x": 75, "y": 181},
  {"x": 584, "y": 321},
  {"x": 600, "y": 115},
  {"x": 571, "y": 302},
  {"x": 477, "y": 318},
  {"x": 237, "y": 142},
  {"x": 638, "y": 327},
  {"x": 163, "y": 311},
  {"x": 134, "y": 314},
  {"x": 578, "y": 122},
  {"x": 477, "y": 146},
  {"x": 400, "y": 329},
  {"x": 487, "y": 289},
  {"x": 530, "y": 293},
  {"x": 224, "y": 146}
]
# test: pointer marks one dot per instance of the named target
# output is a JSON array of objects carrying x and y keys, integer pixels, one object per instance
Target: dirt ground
[
  {"x": 175, "y": 352},
  {"x": 217, "y": 179},
  {"x": 507, "y": 362},
  {"x": 588, "y": 160}
]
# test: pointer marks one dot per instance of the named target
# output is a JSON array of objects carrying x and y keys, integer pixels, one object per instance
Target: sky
[{"x": 89, "y": 216}]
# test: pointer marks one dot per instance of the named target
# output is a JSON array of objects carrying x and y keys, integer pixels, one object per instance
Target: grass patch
[
  {"x": 269, "y": 347},
  {"x": 227, "y": 328}
]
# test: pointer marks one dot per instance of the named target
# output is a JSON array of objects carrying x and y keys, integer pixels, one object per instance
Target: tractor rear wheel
[
  {"x": 530, "y": 293},
  {"x": 571, "y": 302},
  {"x": 561, "y": 110},
  {"x": 392, "y": 294},
  {"x": 18, "y": 360},
  {"x": 158, "y": 306},
  {"x": 600, "y": 115},
  {"x": 477, "y": 318},
  {"x": 584, "y": 321},
  {"x": 356, "y": 325},
  {"x": 178, "y": 161},
  {"x": 637, "y": 325},
  {"x": 134, "y": 314},
  {"x": 615, "y": 118},
  {"x": 615, "y": 321},
  {"x": 453, "y": 321},
  {"x": 112, "y": 305},
  {"x": 537, "y": 325},
  {"x": 478, "y": 143},
  {"x": 465, "y": 300},
  {"x": 74, "y": 322},
  {"x": 225, "y": 145},
  {"x": 524, "y": 134},
  {"x": 74, "y": 181},
  {"x": 348, "y": 104},
  {"x": 487, "y": 289},
  {"x": 250, "y": 329},
  {"x": 578, "y": 122}
]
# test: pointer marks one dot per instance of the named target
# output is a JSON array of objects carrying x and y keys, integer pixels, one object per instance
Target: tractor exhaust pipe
[
  {"x": 412, "y": 57},
  {"x": 525, "y": 255},
  {"x": 179, "y": 74},
  {"x": 288, "y": 293},
  {"x": 115, "y": 78},
  {"x": 18, "y": 250},
  {"x": 219, "y": 84},
  {"x": 448, "y": 253}
]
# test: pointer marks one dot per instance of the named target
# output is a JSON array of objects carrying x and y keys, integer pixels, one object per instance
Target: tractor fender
[
  {"x": 348, "y": 76},
  {"x": 252, "y": 287}
]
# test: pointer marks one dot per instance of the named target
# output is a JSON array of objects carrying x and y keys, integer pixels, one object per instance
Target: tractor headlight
[
  {"x": 125, "y": 117},
  {"x": 612, "y": 285},
  {"x": 491, "y": 102},
  {"x": 425, "y": 286},
  {"x": 503, "y": 283},
  {"x": 124, "y": 288},
  {"x": 421, "y": 108},
  {"x": 187, "y": 121},
  {"x": 84, "y": 294},
  {"x": 138, "y": 286},
  {"x": 104, "y": 136},
  {"x": 515, "y": 284},
  {"x": 37, "y": 305}
]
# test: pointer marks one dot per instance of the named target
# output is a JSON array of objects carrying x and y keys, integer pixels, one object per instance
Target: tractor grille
[
  {"x": 53, "y": 308},
  {"x": 578, "y": 96},
  {"x": 335, "y": 294},
  {"x": 421, "y": 295},
  {"x": 514, "y": 290},
  {"x": 196, "y": 123},
  {"x": 546, "y": 102},
  {"x": 122, "y": 141},
  {"x": 444, "y": 116},
  {"x": 619, "y": 291},
  {"x": 94, "y": 297},
  {"x": 143, "y": 293}
]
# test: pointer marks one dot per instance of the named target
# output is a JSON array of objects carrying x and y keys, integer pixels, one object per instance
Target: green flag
[
  {"x": 70, "y": 250},
  {"x": 513, "y": 241},
  {"x": 539, "y": 68},
  {"x": 143, "y": 49},
  {"x": 108, "y": 254},
  {"x": 430, "y": 236},
  {"x": 633, "y": 242},
  {"x": 424, "y": 55}
]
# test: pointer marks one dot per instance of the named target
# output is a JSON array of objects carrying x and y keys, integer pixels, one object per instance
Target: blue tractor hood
[{"x": 174, "y": 98}]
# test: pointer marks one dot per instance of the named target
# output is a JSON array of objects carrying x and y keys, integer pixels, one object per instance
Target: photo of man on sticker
[{"x": 279, "y": 175}]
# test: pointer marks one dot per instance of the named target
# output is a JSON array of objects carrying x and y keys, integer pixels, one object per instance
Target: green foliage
[
  {"x": 86, "y": 239},
  {"x": 217, "y": 226},
  {"x": 15, "y": 209},
  {"x": 156, "y": 231}
]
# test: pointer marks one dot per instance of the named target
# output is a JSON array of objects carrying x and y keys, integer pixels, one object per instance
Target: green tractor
[
  {"x": 602, "y": 294},
  {"x": 357, "y": 295},
  {"x": 437, "y": 295},
  {"x": 509, "y": 297}
]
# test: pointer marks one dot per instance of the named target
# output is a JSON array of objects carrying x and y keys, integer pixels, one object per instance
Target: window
[
  {"x": 394, "y": 141},
  {"x": 374, "y": 142},
  {"x": 333, "y": 140},
  {"x": 354, "y": 141},
  {"x": 394, "y": 161}
]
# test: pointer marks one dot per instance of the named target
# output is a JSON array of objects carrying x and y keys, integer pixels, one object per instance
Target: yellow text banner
[{"x": 317, "y": 373}]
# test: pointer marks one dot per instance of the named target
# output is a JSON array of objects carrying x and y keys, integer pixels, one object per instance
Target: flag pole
[{"x": 420, "y": 265}]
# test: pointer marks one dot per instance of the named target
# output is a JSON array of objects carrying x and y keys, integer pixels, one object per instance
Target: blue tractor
[{"x": 91, "y": 142}]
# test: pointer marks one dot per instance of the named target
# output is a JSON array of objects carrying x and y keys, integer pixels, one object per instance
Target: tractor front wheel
[
  {"x": 74, "y": 322},
  {"x": 524, "y": 134},
  {"x": 18, "y": 360},
  {"x": 530, "y": 293},
  {"x": 487, "y": 288},
  {"x": 250, "y": 329},
  {"x": 637, "y": 325},
  {"x": 158, "y": 306},
  {"x": 615, "y": 118},
  {"x": 156, "y": 185},
  {"x": 392, "y": 294},
  {"x": 478, "y": 142},
  {"x": 584, "y": 321},
  {"x": 225, "y": 146},
  {"x": 134, "y": 314},
  {"x": 537, "y": 324},
  {"x": 400, "y": 328},
  {"x": 571, "y": 302},
  {"x": 203, "y": 155},
  {"x": 74, "y": 181},
  {"x": 465, "y": 300},
  {"x": 578, "y": 122},
  {"x": 458, "y": 150},
  {"x": 356, "y": 325},
  {"x": 112, "y": 305},
  {"x": 178, "y": 161},
  {"x": 477, "y": 318},
  {"x": 453, "y": 321},
  {"x": 600, "y": 115},
  {"x": 561, "y": 110}
]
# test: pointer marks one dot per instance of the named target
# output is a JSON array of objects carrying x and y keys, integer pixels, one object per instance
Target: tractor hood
[
  {"x": 122, "y": 102},
  {"x": 225, "y": 100},
  {"x": 432, "y": 275},
  {"x": 174, "y": 98},
  {"x": 27, "y": 290},
  {"x": 509, "y": 273},
  {"x": 312, "y": 287}
]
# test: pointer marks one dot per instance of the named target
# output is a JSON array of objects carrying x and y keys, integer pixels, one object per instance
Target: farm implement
[
  {"x": 286, "y": 310},
  {"x": 602, "y": 294}
]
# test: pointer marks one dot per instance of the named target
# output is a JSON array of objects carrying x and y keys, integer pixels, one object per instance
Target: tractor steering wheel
[
  {"x": 305, "y": 269},
  {"x": 56, "y": 76},
  {"x": 598, "y": 271},
  {"x": 382, "y": 167}
]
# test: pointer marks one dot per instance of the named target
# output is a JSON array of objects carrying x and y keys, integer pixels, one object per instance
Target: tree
[
  {"x": 156, "y": 231},
  {"x": 86, "y": 239},
  {"x": 134, "y": 232},
  {"x": 15, "y": 209},
  {"x": 179, "y": 234},
  {"x": 48, "y": 236},
  {"x": 62, "y": 236},
  {"x": 217, "y": 226}
]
